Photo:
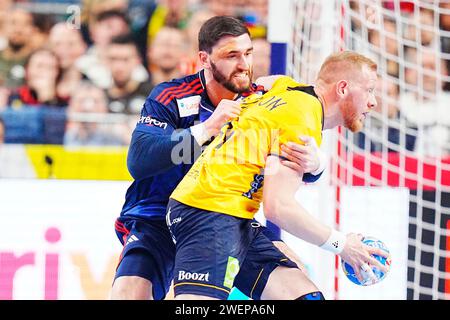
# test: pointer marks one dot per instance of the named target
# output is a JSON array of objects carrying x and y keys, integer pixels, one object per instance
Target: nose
[
  {"x": 244, "y": 63},
  {"x": 372, "y": 102}
]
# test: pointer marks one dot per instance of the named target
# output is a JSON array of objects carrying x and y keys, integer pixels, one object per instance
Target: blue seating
[{"x": 34, "y": 125}]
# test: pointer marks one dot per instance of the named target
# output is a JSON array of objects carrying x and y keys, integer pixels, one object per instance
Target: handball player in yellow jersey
[{"x": 210, "y": 212}]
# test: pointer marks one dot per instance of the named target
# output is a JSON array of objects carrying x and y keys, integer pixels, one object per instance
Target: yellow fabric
[
  {"x": 79, "y": 163},
  {"x": 157, "y": 21},
  {"x": 227, "y": 177}
]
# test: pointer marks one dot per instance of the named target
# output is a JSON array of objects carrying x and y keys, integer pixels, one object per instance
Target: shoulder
[{"x": 167, "y": 92}]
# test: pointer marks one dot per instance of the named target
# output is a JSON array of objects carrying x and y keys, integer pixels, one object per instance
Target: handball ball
[{"x": 380, "y": 275}]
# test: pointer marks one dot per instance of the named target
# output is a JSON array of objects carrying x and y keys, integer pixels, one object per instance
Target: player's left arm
[{"x": 280, "y": 207}]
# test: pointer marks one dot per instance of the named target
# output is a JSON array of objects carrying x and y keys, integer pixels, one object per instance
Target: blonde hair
[{"x": 343, "y": 64}]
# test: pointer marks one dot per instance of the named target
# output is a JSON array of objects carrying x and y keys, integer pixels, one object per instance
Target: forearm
[
  {"x": 292, "y": 217},
  {"x": 281, "y": 207}
]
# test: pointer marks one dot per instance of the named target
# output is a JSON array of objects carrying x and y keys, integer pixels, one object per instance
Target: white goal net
[{"x": 406, "y": 141}]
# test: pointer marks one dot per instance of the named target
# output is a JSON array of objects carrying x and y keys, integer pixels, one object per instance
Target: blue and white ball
[{"x": 379, "y": 275}]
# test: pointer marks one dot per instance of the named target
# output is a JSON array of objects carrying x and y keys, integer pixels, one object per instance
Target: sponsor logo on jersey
[
  {"x": 152, "y": 122},
  {"x": 188, "y": 106},
  {"x": 231, "y": 272},
  {"x": 184, "y": 275},
  {"x": 131, "y": 239}
]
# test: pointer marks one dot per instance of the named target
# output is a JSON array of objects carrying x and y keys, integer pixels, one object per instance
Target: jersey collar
[{"x": 206, "y": 106}]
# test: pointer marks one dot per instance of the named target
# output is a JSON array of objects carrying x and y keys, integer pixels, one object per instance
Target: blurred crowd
[
  {"x": 77, "y": 72},
  {"x": 83, "y": 68},
  {"x": 411, "y": 42}
]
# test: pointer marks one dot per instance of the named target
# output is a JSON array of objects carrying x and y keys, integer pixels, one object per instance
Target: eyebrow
[{"x": 239, "y": 51}]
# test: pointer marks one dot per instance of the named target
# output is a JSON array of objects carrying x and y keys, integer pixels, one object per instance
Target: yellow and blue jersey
[
  {"x": 168, "y": 112},
  {"x": 228, "y": 176}
]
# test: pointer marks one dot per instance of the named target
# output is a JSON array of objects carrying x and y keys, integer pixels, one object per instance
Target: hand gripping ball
[{"x": 378, "y": 274}]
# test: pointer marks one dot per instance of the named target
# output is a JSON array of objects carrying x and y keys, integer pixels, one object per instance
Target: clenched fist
[{"x": 224, "y": 112}]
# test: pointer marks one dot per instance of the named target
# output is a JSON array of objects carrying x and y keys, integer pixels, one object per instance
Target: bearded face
[
  {"x": 231, "y": 63},
  {"x": 359, "y": 101},
  {"x": 237, "y": 81},
  {"x": 352, "y": 115}
]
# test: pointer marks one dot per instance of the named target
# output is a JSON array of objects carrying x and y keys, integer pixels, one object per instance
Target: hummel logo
[{"x": 132, "y": 238}]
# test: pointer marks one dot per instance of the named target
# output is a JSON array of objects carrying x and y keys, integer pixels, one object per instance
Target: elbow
[
  {"x": 135, "y": 161},
  {"x": 133, "y": 168}
]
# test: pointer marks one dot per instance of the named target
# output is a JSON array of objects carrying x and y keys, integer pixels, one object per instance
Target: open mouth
[{"x": 241, "y": 76}]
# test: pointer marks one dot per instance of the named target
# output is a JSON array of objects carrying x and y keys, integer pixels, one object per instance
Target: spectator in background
[
  {"x": 42, "y": 26},
  {"x": 126, "y": 95},
  {"x": 68, "y": 45},
  {"x": 87, "y": 123},
  {"x": 139, "y": 12},
  {"x": 42, "y": 72},
  {"x": 5, "y": 7},
  {"x": 93, "y": 64},
  {"x": 261, "y": 58},
  {"x": 19, "y": 30},
  {"x": 92, "y": 8},
  {"x": 426, "y": 35},
  {"x": 165, "y": 53},
  {"x": 259, "y": 8},
  {"x": 190, "y": 63},
  {"x": 385, "y": 45},
  {"x": 224, "y": 7},
  {"x": 171, "y": 13},
  {"x": 425, "y": 105}
]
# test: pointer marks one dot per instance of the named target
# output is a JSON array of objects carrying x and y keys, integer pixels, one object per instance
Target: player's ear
[
  {"x": 341, "y": 88},
  {"x": 203, "y": 57}
]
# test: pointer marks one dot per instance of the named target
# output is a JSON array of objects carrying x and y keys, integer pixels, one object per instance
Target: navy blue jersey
[
  {"x": 168, "y": 112},
  {"x": 173, "y": 105}
]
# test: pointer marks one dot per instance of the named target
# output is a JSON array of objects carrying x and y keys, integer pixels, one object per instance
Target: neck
[
  {"x": 331, "y": 113},
  {"x": 216, "y": 92},
  {"x": 15, "y": 52}
]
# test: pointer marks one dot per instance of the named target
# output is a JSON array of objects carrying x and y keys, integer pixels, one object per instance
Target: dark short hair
[
  {"x": 216, "y": 28},
  {"x": 124, "y": 39},
  {"x": 105, "y": 15}
]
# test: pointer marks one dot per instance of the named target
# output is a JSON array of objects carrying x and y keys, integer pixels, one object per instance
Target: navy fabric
[
  {"x": 168, "y": 113},
  {"x": 148, "y": 252},
  {"x": 211, "y": 246}
]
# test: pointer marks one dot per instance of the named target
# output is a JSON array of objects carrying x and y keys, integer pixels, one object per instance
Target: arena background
[{"x": 61, "y": 192}]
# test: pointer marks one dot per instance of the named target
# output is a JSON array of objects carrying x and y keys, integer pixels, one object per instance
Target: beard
[
  {"x": 352, "y": 118},
  {"x": 16, "y": 46},
  {"x": 122, "y": 83},
  {"x": 228, "y": 83}
]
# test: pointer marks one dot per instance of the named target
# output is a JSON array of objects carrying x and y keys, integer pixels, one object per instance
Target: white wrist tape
[
  {"x": 322, "y": 162},
  {"x": 335, "y": 242},
  {"x": 200, "y": 134}
]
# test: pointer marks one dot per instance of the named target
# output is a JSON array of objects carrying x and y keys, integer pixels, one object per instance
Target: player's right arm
[
  {"x": 224, "y": 112},
  {"x": 280, "y": 207},
  {"x": 157, "y": 133}
]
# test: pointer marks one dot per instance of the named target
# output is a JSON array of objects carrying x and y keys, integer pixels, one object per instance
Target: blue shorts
[
  {"x": 148, "y": 252},
  {"x": 216, "y": 251}
]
